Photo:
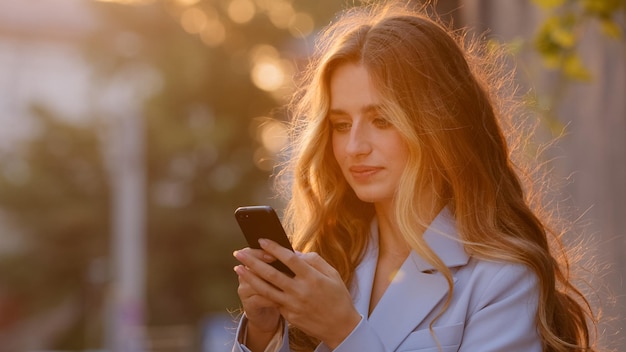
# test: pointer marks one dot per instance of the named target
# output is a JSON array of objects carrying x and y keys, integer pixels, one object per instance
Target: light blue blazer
[{"x": 492, "y": 308}]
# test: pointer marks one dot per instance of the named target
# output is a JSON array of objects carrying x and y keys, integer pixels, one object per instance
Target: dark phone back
[{"x": 261, "y": 221}]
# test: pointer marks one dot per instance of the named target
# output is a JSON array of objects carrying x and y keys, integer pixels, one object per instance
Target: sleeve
[
  {"x": 362, "y": 338},
  {"x": 505, "y": 316},
  {"x": 278, "y": 343}
]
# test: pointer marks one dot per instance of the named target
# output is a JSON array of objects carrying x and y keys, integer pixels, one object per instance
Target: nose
[{"x": 358, "y": 141}]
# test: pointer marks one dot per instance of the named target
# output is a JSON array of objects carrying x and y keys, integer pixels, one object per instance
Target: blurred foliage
[
  {"x": 59, "y": 198},
  {"x": 559, "y": 35},
  {"x": 557, "y": 41},
  {"x": 200, "y": 165},
  {"x": 56, "y": 194}
]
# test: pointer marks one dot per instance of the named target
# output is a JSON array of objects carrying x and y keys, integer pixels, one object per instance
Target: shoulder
[
  {"x": 485, "y": 282},
  {"x": 494, "y": 305},
  {"x": 491, "y": 295},
  {"x": 489, "y": 271}
]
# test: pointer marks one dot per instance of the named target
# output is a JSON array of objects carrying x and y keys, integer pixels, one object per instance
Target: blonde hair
[{"x": 439, "y": 90}]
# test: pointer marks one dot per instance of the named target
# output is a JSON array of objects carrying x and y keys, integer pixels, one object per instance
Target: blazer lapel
[
  {"x": 364, "y": 276},
  {"x": 414, "y": 291},
  {"x": 410, "y": 297}
]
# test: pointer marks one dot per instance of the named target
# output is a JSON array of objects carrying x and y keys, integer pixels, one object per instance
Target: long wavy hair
[{"x": 442, "y": 91}]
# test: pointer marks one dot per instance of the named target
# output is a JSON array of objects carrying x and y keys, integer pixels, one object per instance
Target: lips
[{"x": 363, "y": 172}]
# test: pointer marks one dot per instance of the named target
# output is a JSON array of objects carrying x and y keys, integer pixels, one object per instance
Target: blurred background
[{"x": 130, "y": 130}]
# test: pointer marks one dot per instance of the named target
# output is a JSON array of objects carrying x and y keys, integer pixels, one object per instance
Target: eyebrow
[{"x": 373, "y": 108}]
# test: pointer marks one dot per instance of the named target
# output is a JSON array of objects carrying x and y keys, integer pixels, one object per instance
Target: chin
[{"x": 370, "y": 198}]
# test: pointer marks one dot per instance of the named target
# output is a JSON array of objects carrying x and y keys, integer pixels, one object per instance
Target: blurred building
[{"x": 40, "y": 63}]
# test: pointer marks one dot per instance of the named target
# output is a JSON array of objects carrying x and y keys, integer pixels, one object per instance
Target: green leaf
[
  {"x": 551, "y": 60},
  {"x": 556, "y": 35},
  {"x": 574, "y": 69},
  {"x": 602, "y": 8},
  {"x": 611, "y": 29},
  {"x": 543, "y": 40},
  {"x": 564, "y": 37}
]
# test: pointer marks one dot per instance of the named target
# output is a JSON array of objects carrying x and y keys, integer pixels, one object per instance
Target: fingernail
[
  {"x": 239, "y": 254},
  {"x": 237, "y": 269},
  {"x": 262, "y": 242},
  {"x": 267, "y": 257}
]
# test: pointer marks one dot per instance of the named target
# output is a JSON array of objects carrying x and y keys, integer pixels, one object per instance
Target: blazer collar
[
  {"x": 415, "y": 290},
  {"x": 443, "y": 238}
]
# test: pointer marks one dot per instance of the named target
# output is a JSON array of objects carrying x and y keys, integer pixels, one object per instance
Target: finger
[
  {"x": 318, "y": 263},
  {"x": 251, "y": 285},
  {"x": 248, "y": 295},
  {"x": 262, "y": 276},
  {"x": 286, "y": 256},
  {"x": 258, "y": 253}
]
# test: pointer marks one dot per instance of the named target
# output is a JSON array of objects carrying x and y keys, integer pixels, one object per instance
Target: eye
[
  {"x": 340, "y": 126},
  {"x": 381, "y": 123}
]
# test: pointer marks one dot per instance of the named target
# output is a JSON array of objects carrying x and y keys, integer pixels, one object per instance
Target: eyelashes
[{"x": 345, "y": 126}]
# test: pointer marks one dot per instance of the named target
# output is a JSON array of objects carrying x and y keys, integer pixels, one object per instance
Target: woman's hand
[
  {"x": 263, "y": 315},
  {"x": 315, "y": 300}
]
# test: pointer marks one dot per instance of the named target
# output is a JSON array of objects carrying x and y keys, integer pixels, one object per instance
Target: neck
[{"x": 390, "y": 239}]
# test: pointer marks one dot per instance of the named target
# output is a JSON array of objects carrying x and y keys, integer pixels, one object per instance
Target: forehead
[{"x": 351, "y": 88}]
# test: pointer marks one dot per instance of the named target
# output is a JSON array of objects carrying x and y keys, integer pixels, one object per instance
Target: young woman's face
[{"x": 368, "y": 149}]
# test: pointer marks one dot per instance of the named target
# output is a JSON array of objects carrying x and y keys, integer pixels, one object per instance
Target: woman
[{"x": 415, "y": 227}]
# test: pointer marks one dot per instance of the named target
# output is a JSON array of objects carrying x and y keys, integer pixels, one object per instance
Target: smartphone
[{"x": 261, "y": 221}]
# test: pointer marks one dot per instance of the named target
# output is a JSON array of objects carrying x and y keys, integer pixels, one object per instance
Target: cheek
[
  {"x": 400, "y": 150},
  {"x": 336, "y": 149},
  {"x": 403, "y": 152}
]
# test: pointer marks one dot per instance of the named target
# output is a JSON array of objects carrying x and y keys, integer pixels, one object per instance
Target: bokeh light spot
[
  {"x": 280, "y": 14},
  {"x": 262, "y": 52},
  {"x": 268, "y": 70},
  {"x": 267, "y": 75},
  {"x": 214, "y": 33},
  {"x": 274, "y": 136},
  {"x": 193, "y": 20},
  {"x": 241, "y": 11},
  {"x": 186, "y": 2}
]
